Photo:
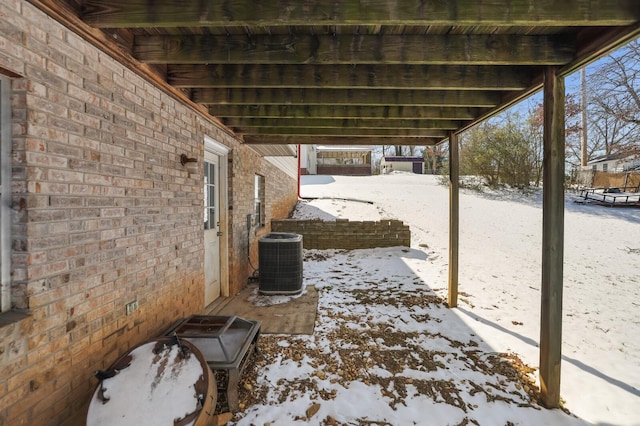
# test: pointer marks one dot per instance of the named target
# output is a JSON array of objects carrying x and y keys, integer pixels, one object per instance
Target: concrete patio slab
[{"x": 279, "y": 314}]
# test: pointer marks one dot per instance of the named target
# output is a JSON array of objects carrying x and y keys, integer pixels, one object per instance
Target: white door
[{"x": 211, "y": 227}]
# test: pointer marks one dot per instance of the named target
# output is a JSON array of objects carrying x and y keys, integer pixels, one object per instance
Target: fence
[{"x": 629, "y": 181}]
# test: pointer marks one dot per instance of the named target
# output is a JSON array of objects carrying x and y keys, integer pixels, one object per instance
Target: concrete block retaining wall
[{"x": 345, "y": 234}]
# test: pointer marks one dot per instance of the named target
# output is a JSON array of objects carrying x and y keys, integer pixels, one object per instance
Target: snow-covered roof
[{"x": 612, "y": 157}]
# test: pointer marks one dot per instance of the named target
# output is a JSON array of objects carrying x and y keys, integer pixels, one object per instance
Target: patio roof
[{"x": 374, "y": 72}]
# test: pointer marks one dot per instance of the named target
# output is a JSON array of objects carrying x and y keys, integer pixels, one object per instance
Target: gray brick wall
[
  {"x": 103, "y": 213},
  {"x": 280, "y": 197}
]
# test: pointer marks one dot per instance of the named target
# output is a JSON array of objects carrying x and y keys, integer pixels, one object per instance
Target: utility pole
[{"x": 583, "y": 106}]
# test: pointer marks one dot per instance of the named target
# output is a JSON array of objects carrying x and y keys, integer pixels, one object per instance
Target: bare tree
[
  {"x": 573, "y": 127},
  {"x": 434, "y": 158},
  {"x": 611, "y": 135},
  {"x": 406, "y": 151},
  {"x": 617, "y": 82},
  {"x": 615, "y": 103}
]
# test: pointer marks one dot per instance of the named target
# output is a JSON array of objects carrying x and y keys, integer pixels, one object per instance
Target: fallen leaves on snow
[{"x": 401, "y": 354}]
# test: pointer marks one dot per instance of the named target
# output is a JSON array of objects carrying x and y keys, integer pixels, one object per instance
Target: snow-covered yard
[{"x": 387, "y": 351}]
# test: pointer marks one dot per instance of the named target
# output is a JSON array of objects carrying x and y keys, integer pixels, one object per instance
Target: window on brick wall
[
  {"x": 5, "y": 193},
  {"x": 259, "y": 200}
]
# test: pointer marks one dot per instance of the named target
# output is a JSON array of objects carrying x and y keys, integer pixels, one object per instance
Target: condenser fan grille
[{"x": 280, "y": 263}]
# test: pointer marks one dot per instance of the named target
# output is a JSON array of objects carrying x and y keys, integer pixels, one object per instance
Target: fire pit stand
[{"x": 226, "y": 342}]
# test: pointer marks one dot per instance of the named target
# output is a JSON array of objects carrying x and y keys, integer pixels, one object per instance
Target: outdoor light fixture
[{"x": 191, "y": 164}]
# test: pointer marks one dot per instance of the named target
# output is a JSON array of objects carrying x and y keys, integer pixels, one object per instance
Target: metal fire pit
[{"x": 226, "y": 342}]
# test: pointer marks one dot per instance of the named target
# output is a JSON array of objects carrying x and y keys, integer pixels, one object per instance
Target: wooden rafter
[
  {"x": 345, "y": 97},
  {"x": 353, "y": 111},
  {"x": 142, "y": 13},
  {"x": 344, "y": 131},
  {"x": 352, "y": 77},
  {"x": 338, "y": 140},
  {"x": 340, "y": 123},
  {"x": 482, "y": 49}
]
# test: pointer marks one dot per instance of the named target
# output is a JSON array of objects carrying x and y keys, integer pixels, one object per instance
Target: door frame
[{"x": 214, "y": 147}]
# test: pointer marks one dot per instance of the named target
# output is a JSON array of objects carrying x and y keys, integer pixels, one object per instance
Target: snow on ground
[
  {"x": 388, "y": 297},
  {"x": 330, "y": 209}
]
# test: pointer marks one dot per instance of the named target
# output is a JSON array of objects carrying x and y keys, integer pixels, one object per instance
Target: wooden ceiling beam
[
  {"x": 344, "y": 131},
  {"x": 356, "y": 49},
  {"x": 432, "y": 77},
  {"x": 339, "y": 140},
  {"x": 450, "y": 21},
  {"x": 344, "y": 97},
  {"x": 340, "y": 123},
  {"x": 143, "y": 13},
  {"x": 355, "y": 111}
]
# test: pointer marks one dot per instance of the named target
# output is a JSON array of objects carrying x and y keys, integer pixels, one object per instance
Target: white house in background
[
  {"x": 349, "y": 160},
  {"x": 402, "y": 164},
  {"x": 615, "y": 163},
  {"x": 308, "y": 164}
]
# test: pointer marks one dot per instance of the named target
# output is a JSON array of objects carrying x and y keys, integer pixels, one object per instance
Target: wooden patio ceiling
[{"x": 351, "y": 71}]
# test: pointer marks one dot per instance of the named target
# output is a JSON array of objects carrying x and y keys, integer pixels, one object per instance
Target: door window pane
[{"x": 209, "y": 195}]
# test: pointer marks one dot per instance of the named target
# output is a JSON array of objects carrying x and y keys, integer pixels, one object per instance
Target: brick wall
[
  {"x": 281, "y": 197},
  {"x": 344, "y": 234},
  {"x": 103, "y": 214},
  {"x": 350, "y": 170}
]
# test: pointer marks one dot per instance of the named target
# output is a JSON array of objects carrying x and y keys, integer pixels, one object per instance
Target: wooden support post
[
  {"x": 552, "y": 239},
  {"x": 454, "y": 219}
]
